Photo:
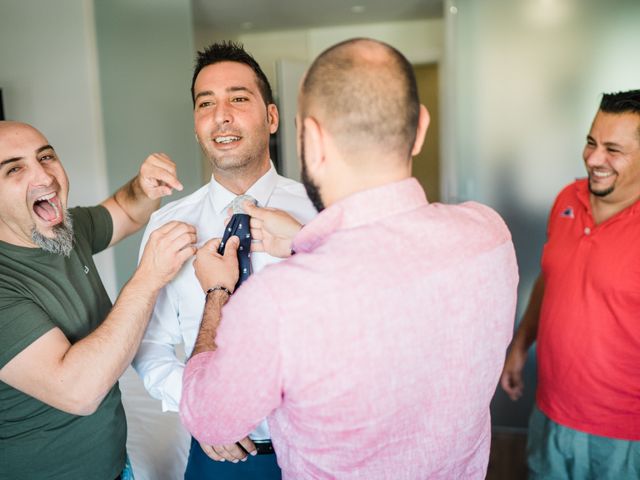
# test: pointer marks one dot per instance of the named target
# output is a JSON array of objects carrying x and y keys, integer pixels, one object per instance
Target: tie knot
[{"x": 236, "y": 205}]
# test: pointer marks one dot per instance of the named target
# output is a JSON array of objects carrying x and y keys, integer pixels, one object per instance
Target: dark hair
[
  {"x": 621, "y": 102},
  {"x": 228, "y": 51},
  {"x": 369, "y": 98}
]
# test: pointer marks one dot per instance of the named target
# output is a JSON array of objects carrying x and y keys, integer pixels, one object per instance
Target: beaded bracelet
[{"x": 217, "y": 287}]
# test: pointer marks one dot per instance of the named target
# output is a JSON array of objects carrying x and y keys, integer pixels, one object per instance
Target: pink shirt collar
[{"x": 360, "y": 208}]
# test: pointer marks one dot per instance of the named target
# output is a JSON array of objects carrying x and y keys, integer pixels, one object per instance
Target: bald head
[
  {"x": 8, "y": 126},
  {"x": 364, "y": 93}
]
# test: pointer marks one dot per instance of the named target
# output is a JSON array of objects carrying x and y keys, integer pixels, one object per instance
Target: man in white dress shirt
[{"x": 234, "y": 116}]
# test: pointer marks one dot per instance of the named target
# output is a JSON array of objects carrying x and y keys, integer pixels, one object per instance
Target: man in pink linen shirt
[{"x": 374, "y": 351}]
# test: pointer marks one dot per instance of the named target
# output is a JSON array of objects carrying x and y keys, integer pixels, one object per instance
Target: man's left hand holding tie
[{"x": 218, "y": 275}]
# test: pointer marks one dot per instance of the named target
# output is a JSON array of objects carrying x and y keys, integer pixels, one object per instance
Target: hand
[
  {"x": 511, "y": 378},
  {"x": 157, "y": 177},
  {"x": 166, "y": 251},
  {"x": 214, "y": 269},
  {"x": 273, "y": 230},
  {"x": 231, "y": 452}
]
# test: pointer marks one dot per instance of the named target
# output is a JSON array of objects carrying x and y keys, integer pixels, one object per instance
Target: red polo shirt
[{"x": 589, "y": 335}]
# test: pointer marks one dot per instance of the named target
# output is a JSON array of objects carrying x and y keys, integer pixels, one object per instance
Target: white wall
[
  {"x": 49, "y": 79},
  {"x": 524, "y": 81},
  {"x": 422, "y": 41},
  {"x": 146, "y": 57}
]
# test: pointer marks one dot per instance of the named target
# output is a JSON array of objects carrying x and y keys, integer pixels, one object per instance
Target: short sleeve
[
  {"x": 95, "y": 224},
  {"x": 21, "y": 323}
]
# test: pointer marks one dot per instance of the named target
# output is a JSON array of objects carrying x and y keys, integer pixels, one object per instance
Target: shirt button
[{"x": 587, "y": 231}]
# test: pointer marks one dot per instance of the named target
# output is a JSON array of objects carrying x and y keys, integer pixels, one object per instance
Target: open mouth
[
  {"x": 48, "y": 208},
  {"x": 601, "y": 174},
  {"x": 226, "y": 139}
]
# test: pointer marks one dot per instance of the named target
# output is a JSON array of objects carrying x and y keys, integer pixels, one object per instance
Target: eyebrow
[
  {"x": 16, "y": 159},
  {"x": 208, "y": 93}
]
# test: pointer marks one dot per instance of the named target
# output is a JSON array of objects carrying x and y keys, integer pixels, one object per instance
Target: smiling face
[
  {"x": 612, "y": 158},
  {"x": 33, "y": 186},
  {"x": 232, "y": 122}
]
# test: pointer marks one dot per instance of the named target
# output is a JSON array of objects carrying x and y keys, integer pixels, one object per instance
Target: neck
[
  {"x": 354, "y": 180},
  {"x": 239, "y": 180},
  {"x": 603, "y": 210}
]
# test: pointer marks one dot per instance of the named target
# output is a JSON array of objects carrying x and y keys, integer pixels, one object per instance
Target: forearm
[
  {"x": 135, "y": 203},
  {"x": 92, "y": 366},
  {"x": 205, "y": 342}
]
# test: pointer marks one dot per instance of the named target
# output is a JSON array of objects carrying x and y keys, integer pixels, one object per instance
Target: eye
[
  {"x": 47, "y": 157},
  {"x": 239, "y": 99},
  {"x": 205, "y": 104},
  {"x": 12, "y": 171}
]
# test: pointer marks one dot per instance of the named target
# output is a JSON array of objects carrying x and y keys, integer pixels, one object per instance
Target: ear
[
  {"x": 273, "y": 117},
  {"x": 313, "y": 145},
  {"x": 421, "y": 131}
]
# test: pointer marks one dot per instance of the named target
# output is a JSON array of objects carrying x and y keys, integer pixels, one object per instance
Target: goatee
[{"x": 62, "y": 241}]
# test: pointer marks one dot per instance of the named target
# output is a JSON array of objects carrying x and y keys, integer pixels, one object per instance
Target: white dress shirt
[{"x": 178, "y": 310}]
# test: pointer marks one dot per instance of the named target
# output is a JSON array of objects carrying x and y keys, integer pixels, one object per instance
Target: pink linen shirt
[{"x": 375, "y": 350}]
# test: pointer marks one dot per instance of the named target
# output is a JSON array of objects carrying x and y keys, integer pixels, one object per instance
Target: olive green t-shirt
[{"x": 40, "y": 291}]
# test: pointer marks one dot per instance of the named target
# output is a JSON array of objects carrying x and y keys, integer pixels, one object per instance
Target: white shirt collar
[{"x": 261, "y": 190}]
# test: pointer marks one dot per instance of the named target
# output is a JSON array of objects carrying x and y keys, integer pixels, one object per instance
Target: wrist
[{"x": 218, "y": 290}]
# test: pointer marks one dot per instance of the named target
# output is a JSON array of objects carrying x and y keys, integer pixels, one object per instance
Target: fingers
[
  {"x": 512, "y": 384},
  {"x": 248, "y": 445},
  {"x": 252, "y": 210},
  {"x": 158, "y": 173},
  {"x": 177, "y": 231},
  {"x": 211, "y": 453},
  {"x": 212, "y": 245},
  {"x": 220, "y": 453}
]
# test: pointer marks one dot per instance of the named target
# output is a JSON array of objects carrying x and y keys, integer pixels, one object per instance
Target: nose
[
  {"x": 594, "y": 157},
  {"x": 222, "y": 113},
  {"x": 40, "y": 176}
]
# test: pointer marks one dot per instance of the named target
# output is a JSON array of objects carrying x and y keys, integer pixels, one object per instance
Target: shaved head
[{"x": 364, "y": 93}]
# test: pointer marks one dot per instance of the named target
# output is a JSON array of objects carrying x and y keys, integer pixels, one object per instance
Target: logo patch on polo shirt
[{"x": 567, "y": 212}]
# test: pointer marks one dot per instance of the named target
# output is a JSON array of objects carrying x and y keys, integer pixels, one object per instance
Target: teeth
[
  {"x": 227, "y": 139},
  {"x": 599, "y": 174},
  {"x": 55, "y": 207},
  {"x": 46, "y": 197}
]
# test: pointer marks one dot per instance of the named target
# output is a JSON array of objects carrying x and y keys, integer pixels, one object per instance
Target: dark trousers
[{"x": 201, "y": 467}]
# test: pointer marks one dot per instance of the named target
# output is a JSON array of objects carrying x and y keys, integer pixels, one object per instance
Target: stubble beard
[
  {"x": 62, "y": 241},
  {"x": 313, "y": 191}
]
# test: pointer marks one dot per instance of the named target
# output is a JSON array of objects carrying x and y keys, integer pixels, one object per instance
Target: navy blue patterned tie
[{"x": 239, "y": 226}]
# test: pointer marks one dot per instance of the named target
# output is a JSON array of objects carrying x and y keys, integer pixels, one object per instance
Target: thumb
[{"x": 231, "y": 248}]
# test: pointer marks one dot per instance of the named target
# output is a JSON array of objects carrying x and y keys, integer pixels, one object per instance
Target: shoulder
[
  {"x": 290, "y": 186},
  {"x": 181, "y": 209},
  {"x": 291, "y": 196},
  {"x": 475, "y": 221}
]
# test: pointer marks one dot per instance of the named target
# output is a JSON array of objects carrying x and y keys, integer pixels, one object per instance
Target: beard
[
  {"x": 600, "y": 193},
  {"x": 313, "y": 191},
  {"x": 62, "y": 241}
]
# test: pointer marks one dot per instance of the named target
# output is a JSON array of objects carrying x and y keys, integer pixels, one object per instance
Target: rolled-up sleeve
[{"x": 226, "y": 393}]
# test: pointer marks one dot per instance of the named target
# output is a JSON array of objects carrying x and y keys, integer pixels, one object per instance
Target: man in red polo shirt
[{"x": 584, "y": 312}]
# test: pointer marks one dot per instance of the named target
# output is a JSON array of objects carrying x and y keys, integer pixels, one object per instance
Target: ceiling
[{"x": 267, "y": 15}]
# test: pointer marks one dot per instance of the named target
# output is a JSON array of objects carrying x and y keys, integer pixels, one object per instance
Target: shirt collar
[
  {"x": 584, "y": 197},
  {"x": 359, "y": 209},
  {"x": 261, "y": 190}
]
